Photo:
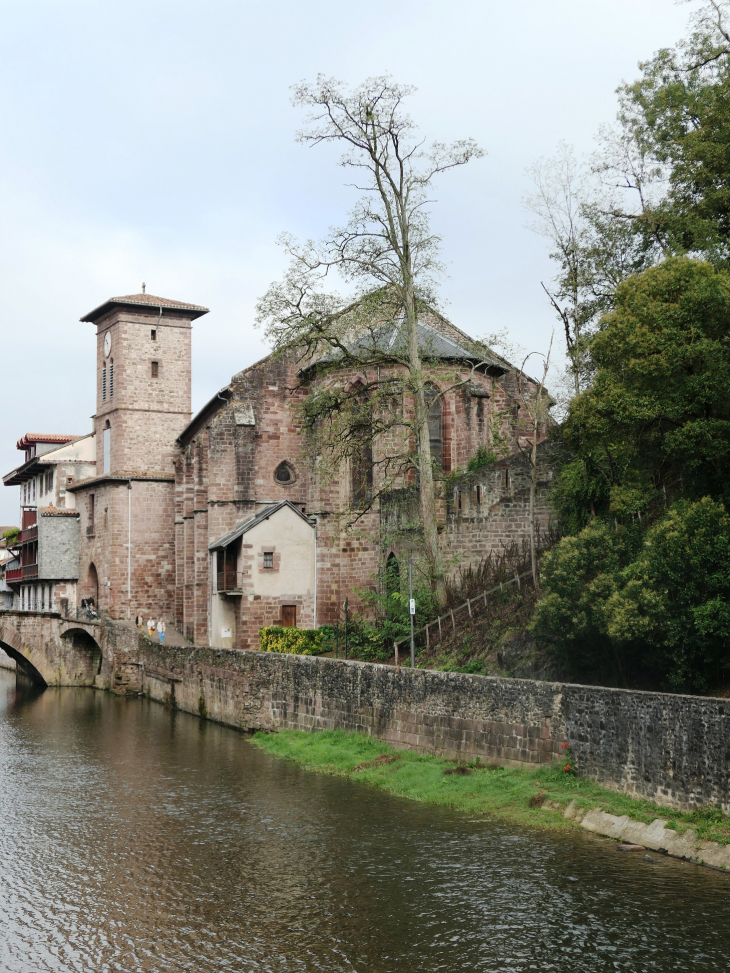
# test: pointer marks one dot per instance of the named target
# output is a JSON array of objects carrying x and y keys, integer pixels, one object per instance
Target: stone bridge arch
[{"x": 52, "y": 652}]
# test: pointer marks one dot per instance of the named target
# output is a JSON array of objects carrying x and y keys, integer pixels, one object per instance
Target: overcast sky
[{"x": 155, "y": 141}]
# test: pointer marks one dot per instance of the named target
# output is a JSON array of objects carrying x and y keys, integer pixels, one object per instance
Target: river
[{"x": 136, "y": 838}]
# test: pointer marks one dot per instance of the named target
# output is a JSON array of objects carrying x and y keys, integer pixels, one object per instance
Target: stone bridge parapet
[{"x": 56, "y": 651}]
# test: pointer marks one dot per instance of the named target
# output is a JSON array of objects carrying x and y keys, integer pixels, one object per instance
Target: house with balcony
[
  {"x": 8, "y": 562},
  {"x": 45, "y": 571}
]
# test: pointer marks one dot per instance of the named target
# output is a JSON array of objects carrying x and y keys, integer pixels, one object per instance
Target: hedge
[{"x": 293, "y": 641}]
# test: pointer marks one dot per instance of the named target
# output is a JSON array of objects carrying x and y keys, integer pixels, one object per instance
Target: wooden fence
[{"x": 473, "y": 608}]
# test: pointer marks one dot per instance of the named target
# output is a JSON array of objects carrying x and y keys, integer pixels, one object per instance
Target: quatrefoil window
[{"x": 284, "y": 474}]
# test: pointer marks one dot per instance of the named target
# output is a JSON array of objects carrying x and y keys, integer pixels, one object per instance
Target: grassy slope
[{"x": 497, "y": 791}]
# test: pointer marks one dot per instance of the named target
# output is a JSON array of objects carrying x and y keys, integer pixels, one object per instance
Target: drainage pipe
[{"x": 129, "y": 549}]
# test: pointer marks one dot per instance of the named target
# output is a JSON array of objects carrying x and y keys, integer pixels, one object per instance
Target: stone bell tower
[
  {"x": 142, "y": 380},
  {"x": 127, "y": 510}
]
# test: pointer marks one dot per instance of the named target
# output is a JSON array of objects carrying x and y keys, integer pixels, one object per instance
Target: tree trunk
[
  {"x": 533, "y": 492},
  {"x": 427, "y": 493}
]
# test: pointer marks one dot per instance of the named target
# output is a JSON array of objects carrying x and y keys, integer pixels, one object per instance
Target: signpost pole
[{"x": 412, "y": 609}]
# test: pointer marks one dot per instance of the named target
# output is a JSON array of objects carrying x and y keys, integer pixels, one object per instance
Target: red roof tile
[
  {"x": 145, "y": 300},
  {"x": 43, "y": 437}
]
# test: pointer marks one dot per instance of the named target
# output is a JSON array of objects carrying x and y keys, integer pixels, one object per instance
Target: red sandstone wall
[{"x": 226, "y": 474}]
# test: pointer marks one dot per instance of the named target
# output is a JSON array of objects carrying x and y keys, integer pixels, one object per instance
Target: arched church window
[
  {"x": 435, "y": 424},
  {"x": 392, "y": 575},
  {"x": 362, "y": 455},
  {"x": 284, "y": 474},
  {"x": 92, "y": 583},
  {"x": 107, "y": 447}
]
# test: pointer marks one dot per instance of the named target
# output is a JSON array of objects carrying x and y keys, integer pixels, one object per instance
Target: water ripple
[{"x": 132, "y": 838}]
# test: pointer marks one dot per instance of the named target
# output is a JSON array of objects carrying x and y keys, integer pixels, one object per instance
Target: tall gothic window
[
  {"x": 107, "y": 443},
  {"x": 435, "y": 424},
  {"x": 362, "y": 458},
  {"x": 392, "y": 575}
]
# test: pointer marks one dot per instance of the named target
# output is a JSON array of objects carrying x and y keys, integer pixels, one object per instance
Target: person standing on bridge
[{"x": 161, "y": 630}]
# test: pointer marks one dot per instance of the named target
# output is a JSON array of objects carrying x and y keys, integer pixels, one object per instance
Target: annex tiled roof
[
  {"x": 262, "y": 515},
  {"x": 57, "y": 512},
  {"x": 30, "y": 438},
  {"x": 145, "y": 300}
]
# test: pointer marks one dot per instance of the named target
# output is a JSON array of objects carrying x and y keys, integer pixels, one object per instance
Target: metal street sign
[{"x": 412, "y": 604}]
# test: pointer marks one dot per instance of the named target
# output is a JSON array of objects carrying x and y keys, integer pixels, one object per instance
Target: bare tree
[
  {"x": 386, "y": 251},
  {"x": 558, "y": 203},
  {"x": 536, "y": 404}
]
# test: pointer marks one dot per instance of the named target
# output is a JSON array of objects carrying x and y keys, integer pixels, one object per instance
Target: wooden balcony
[
  {"x": 28, "y": 534},
  {"x": 229, "y": 582},
  {"x": 13, "y": 575},
  {"x": 29, "y": 571}
]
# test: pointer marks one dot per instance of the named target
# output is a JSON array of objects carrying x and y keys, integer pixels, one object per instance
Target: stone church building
[{"x": 216, "y": 522}]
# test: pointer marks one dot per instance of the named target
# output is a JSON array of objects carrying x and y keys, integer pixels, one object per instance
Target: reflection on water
[{"x": 134, "y": 838}]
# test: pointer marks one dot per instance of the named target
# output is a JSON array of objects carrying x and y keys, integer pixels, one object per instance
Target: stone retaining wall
[{"x": 672, "y": 749}]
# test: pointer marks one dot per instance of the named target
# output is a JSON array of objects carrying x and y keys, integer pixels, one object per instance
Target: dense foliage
[
  {"x": 640, "y": 590},
  {"x": 292, "y": 641}
]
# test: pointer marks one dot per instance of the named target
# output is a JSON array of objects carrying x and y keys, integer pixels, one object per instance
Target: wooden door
[{"x": 289, "y": 616}]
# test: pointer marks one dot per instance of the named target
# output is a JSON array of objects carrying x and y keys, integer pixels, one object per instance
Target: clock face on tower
[{"x": 107, "y": 344}]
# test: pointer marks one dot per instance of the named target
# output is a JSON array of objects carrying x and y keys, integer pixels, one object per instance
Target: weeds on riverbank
[{"x": 533, "y": 797}]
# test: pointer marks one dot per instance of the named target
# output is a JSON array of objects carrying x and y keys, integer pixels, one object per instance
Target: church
[{"x": 217, "y": 522}]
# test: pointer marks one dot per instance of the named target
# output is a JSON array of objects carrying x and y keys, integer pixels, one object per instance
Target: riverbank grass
[{"x": 536, "y": 797}]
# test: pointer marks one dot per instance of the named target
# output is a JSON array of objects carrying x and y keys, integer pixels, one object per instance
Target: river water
[{"x": 136, "y": 838}]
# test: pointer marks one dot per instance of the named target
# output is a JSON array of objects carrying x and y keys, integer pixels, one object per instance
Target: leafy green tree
[
  {"x": 653, "y": 611},
  {"x": 674, "y": 599},
  {"x": 579, "y": 576},
  {"x": 677, "y": 116},
  {"x": 655, "y": 423}
]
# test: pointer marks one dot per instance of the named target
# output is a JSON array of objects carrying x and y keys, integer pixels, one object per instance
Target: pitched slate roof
[
  {"x": 145, "y": 300},
  {"x": 432, "y": 343},
  {"x": 260, "y": 517}
]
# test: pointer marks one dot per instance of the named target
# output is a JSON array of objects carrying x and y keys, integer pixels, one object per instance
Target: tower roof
[{"x": 193, "y": 311}]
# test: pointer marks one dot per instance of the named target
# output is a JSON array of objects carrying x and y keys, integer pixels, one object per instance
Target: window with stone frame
[
  {"x": 284, "y": 474},
  {"x": 361, "y": 463},
  {"x": 268, "y": 559},
  {"x": 435, "y": 424}
]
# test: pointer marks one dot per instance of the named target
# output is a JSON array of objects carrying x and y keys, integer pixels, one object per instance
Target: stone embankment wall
[{"x": 672, "y": 749}]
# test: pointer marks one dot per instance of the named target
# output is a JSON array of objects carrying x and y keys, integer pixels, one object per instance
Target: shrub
[
  {"x": 291, "y": 641},
  {"x": 11, "y": 536}
]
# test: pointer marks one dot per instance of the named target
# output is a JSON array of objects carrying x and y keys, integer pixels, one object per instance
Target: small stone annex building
[{"x": 215, "y": 522}]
